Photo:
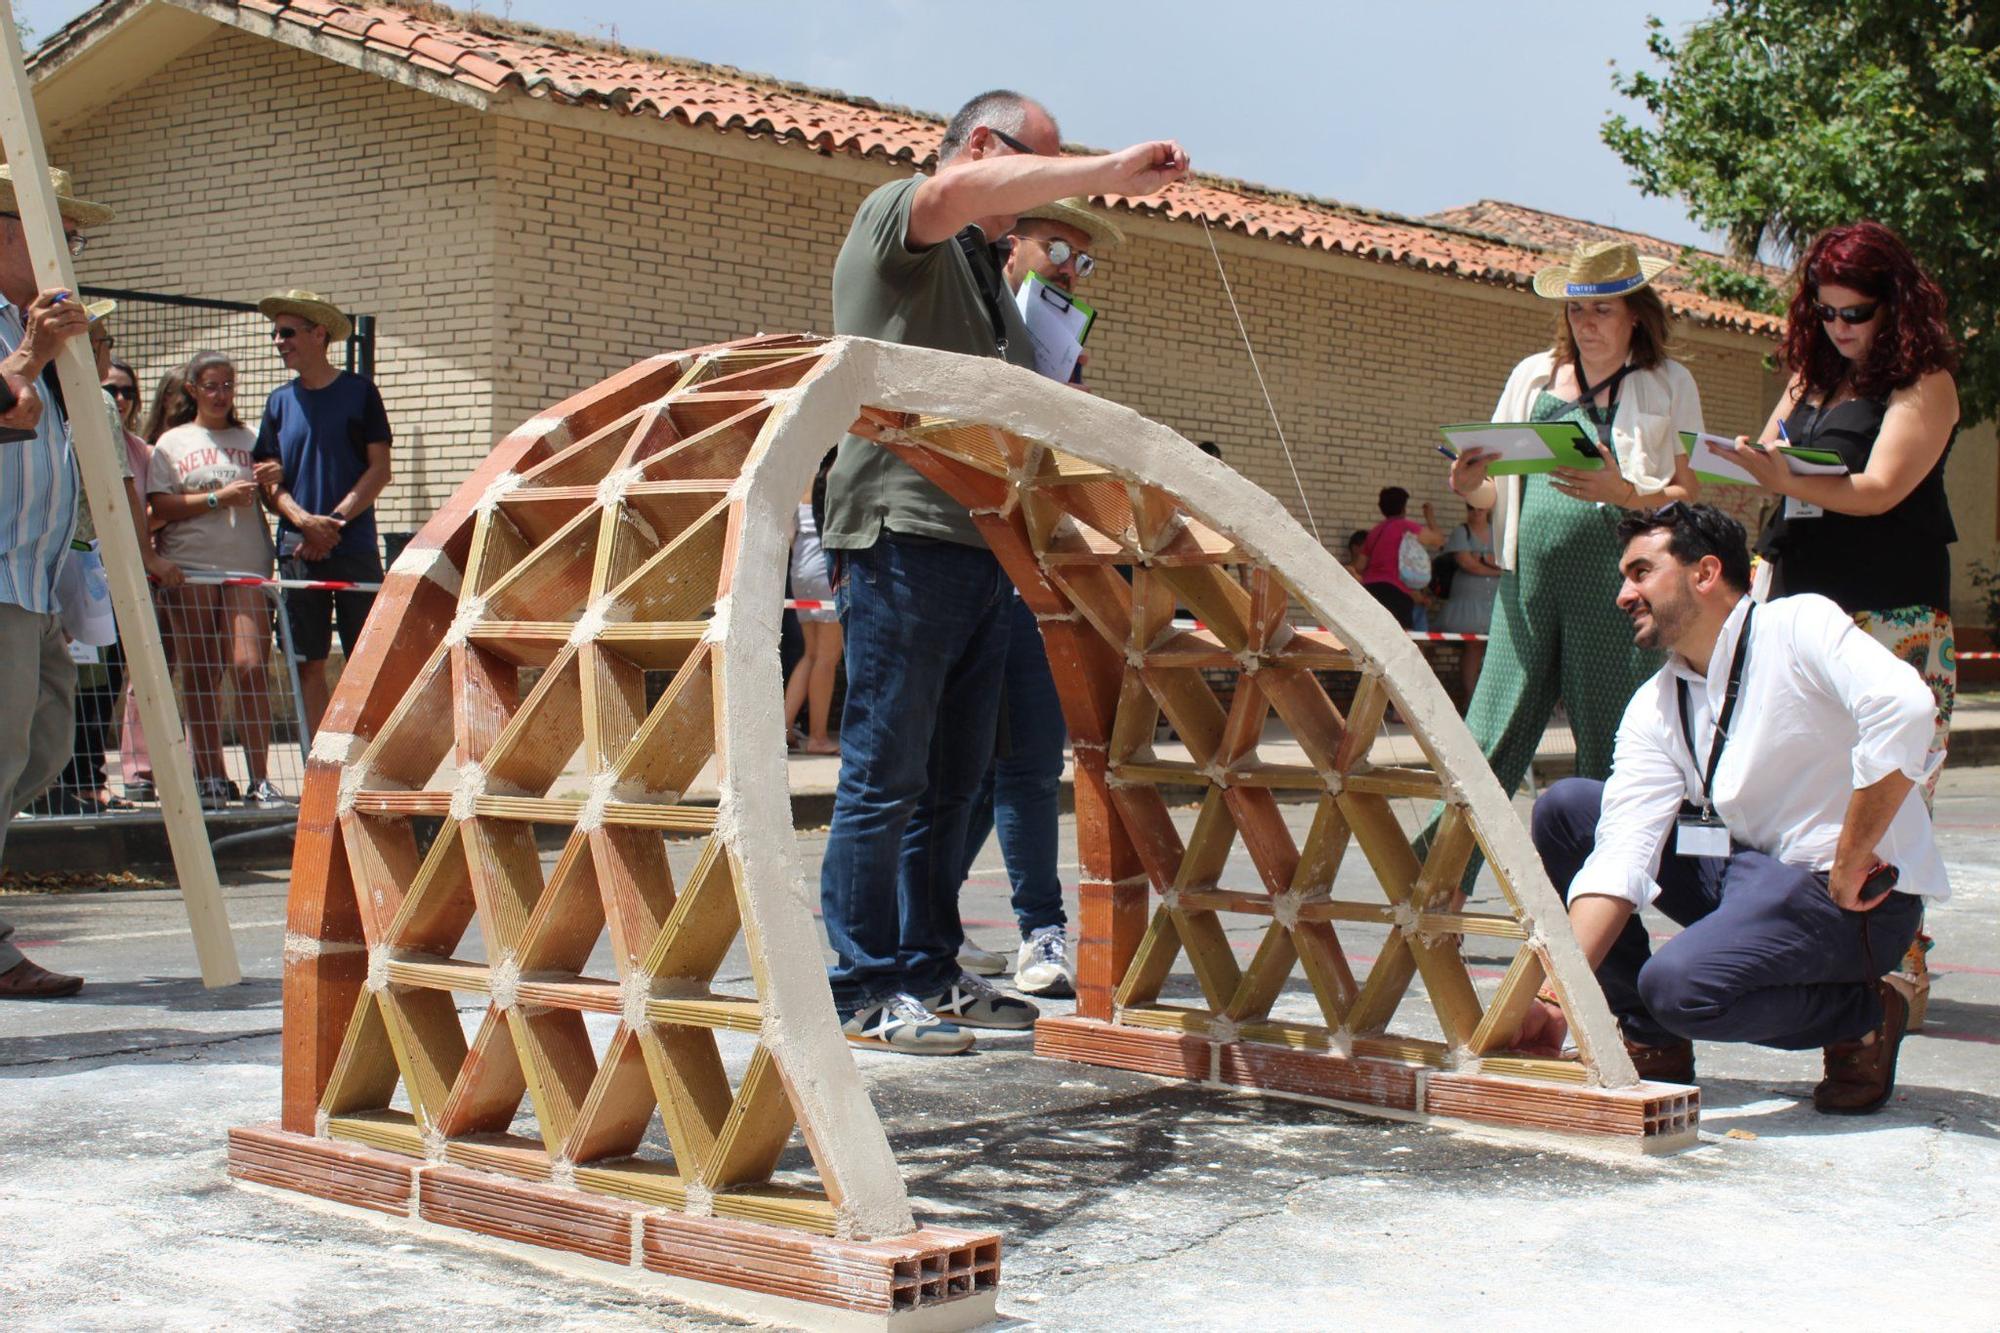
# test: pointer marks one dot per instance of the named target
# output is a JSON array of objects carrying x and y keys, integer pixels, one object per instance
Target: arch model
[{"x": 642, "y": 527}]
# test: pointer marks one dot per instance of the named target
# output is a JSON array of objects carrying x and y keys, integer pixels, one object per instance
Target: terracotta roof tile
[{"x": 1487, "y": 242}]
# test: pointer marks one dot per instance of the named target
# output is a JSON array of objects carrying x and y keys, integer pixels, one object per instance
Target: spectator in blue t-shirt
[{"x": 322, "y": 457}]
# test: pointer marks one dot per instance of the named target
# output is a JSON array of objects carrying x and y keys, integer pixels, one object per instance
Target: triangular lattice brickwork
[{"x": 592, "y": 620}]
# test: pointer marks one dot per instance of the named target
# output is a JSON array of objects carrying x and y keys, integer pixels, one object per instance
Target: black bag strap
[{"x": 986, "y": 265}]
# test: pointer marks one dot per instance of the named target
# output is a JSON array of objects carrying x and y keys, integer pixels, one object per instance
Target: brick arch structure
[{"x": 641, "y": 527}]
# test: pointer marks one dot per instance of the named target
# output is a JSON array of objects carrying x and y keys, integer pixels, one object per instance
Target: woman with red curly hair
[{"x": 1871, "y": 361}]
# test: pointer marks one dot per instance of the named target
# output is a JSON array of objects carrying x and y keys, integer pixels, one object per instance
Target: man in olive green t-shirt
[{"x": 923, "y": 602}]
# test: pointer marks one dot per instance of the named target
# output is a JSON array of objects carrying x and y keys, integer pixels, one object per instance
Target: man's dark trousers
[
  {"x": 926, "y": 627},
  {"x": 1766, "y": 957}
]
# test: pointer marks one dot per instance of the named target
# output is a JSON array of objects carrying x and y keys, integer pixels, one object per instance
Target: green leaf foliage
[{"x": 1778, "y": 118}]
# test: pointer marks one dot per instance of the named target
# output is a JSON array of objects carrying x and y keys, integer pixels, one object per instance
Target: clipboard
[
  {"x": 1057, "y": 325},
  {"x": 1527, "y": 446}
]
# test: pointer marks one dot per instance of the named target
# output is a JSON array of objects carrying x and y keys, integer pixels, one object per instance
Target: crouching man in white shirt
[{"x": 1784, "y": 827}]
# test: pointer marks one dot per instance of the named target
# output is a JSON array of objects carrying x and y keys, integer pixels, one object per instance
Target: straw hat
[
  {"x": 308, "y": 305},
  {"x": 1076, "y": 211},
  {"x": 99, "y": 309},
  {"x": 1599, "y": 268},
  {"x": 80, "y": 212}
]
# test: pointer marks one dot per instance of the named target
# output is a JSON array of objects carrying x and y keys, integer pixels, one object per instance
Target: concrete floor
[{"x": 1123, "y": 1201}]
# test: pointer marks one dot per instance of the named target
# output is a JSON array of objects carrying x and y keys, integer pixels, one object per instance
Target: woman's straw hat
[
  {"x": 1599, "y": 268},
  {"x": 81, "y": 212},
  {"x": 1077, "y": 212},
  {"x": 308, "y": 305}
]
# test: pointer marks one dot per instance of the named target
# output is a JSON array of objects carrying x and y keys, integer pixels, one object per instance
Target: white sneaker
[
  {"x": 1043, "y": 966},
  {"x": 981, "y": 962}
]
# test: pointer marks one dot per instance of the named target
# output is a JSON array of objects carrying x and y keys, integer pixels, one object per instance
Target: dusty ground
[{"x": 1124, "y": 1201}]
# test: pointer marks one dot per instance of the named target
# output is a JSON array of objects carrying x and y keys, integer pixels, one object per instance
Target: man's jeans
[
  {"x": 1767, "y": 956},
  {"x": 37, "y": 686},
  {"x": 926, "y": 626},
  {"x": 1022, "y": 794}
]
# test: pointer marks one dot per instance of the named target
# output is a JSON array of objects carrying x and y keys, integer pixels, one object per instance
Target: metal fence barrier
[{"x": 229, "y": 650}]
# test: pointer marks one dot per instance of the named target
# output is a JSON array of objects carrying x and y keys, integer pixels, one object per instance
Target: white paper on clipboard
[{"x": 1057, "y": 325}]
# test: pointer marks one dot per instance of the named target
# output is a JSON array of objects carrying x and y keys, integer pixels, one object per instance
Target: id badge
[
  {"x": 1797, "y": 508},
  {"x": 1701, "y": 837}
]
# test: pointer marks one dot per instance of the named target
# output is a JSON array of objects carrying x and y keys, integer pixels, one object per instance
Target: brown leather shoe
[
  {"x": 1671, "y": 1063},
  {"x": 30, "y": 981},
  {"x": 1859, "y": 1078}
]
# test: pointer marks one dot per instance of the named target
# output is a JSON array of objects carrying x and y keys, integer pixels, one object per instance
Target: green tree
[{"x": 1778, "y": 118}]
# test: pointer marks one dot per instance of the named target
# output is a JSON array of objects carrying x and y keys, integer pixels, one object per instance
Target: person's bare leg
[
  {"x": 826, "y": 647},
  {"x": 196, "y": 623},
  {"x": 313, "y": 690},
  {"x": 795, "y": 684},
  {"x": 250, "y": 646},
  {"x": 1469, "y": 663}
]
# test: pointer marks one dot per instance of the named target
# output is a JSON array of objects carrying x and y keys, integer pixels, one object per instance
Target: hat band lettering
[{"x": 1615, "y": 287}]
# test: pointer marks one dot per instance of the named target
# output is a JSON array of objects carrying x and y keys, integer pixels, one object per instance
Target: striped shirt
[{"x": 39, "y": 497}]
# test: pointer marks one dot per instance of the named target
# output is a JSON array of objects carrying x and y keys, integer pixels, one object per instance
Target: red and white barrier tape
[
  {"x": 252, "y": 581},
  {"x": 1977, "y": 657},
  {"x": 800, "y": 604}
]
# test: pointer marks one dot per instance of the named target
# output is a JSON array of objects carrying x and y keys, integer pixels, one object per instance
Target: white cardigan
[{"x": 1654, "y": 406}]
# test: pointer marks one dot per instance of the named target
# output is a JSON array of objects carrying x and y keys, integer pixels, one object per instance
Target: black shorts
[{"x": 313, "y": 611}]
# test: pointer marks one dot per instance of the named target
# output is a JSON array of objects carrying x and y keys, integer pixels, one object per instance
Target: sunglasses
[
  {"x": 122, "y": 391},
  {"x": 1847, "y": 314},
  {"x": 76, "y": 240},
  {"x": 1060, "y": 253},
  {"x": 282, "y": 333},
  {"x": 1010, "y": 141}
]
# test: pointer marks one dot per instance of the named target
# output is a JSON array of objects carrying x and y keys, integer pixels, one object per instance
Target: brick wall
[
  {"x": 246, "y": 167},
  {"x": 514, "y": 261}
]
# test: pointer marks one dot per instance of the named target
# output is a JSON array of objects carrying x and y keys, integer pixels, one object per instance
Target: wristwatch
[{"x": 214, "y": 500}]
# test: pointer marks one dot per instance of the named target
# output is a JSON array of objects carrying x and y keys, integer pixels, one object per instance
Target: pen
[
  {"x": 1448, "y": 452},
  {"x": 1784, "y": 434}
]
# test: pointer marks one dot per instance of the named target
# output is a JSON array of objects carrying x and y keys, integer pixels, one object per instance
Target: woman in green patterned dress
[
  {"x": 1557, "y": 633},
  {"x": 1871, "y": 355}
]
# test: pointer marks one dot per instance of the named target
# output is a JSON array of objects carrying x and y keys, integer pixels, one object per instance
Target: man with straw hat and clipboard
[{"x": 322, "y": 457}]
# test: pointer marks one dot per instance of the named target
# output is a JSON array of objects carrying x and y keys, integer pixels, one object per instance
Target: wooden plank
[
  {"x": 691, "y": 1087},
  {"x": 490, "y": 1084},
  {"x": 612, "y": 1121},
  {"x": 365, "y": 1074},
  {"x": 97, "y": 453},
  {"x": 760, "y": 1123},
  {"x": 430, "y": 1047},
  {"x": 560, "y": 1067},
  {"x": 704, "y": 923}
]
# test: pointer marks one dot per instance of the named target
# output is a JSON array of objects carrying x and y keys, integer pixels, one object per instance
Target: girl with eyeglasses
[{"x": 1871, "y": 359}]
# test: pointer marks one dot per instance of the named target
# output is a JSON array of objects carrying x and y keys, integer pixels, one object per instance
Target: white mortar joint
[
  {"x": 1405, "y": 916},
  {"x": 1341, "y": 1040},
  {"x": 1070, "y": 617},
  {"x": 352, "y": 779},
  {"x": 1170, "y": 898},
  {"x": 612, "y": 489},
  {"x": 1224, "y": 1030},
  {"x": 603, "y": 790},
  {"x": 700, "y": 1200},
  {"x": 471, "y": 786},
  {"x": 434, "y": 1144},
  {"x": 562, "y": 1174},
  {"x": 378, "y": 968},
  {"x": 431, "y": 564},
  {"x": 335, "y": 747},
  {"x": 589, "y": 626},
  {"x": 503, "y": 982},
  {"x": 1285, "y": 908},
  {"x": 470, "y": 612},
  {"x": 505, "y": 483},
  {"x": 633, "y": 992},
  {"x": 320, "y": 1121}
]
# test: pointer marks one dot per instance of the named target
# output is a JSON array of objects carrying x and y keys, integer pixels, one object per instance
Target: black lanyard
[
  {"x": 1730, "y": 693},
  {"x": 1587, "y": 392},
  {"x": 985, "y": 262}
]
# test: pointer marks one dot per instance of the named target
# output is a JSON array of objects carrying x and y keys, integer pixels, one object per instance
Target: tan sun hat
[
  {"x": 98, "y": 310},
  {"x": 308, "y": 305},
  {"x": 1599, "y": 268},
  {"x": 81, "y": 212},
  {"x": 1077, "y": 212}
]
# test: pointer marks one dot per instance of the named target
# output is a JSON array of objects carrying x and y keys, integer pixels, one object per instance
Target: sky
[{"x": 1408, "y": 106}]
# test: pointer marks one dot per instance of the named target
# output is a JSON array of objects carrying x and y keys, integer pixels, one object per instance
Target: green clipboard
[{"x": 1527, "y": 446}]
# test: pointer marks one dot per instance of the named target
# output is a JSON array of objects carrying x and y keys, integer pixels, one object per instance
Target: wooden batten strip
[
  {"x": 760, "y": 1123},
  {"x": 612, "y": 1121},
  {"x": 365, "y": 1073},
  {"x": 490, "y": 1084}
]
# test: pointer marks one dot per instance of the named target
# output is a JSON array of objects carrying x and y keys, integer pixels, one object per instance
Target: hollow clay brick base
[
  {"x": 918, "y": 1281},
  {"x": 1651, "y": 1118}
]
